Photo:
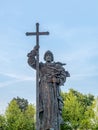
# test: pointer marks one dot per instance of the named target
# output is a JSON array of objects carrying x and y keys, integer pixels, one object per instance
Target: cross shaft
[{"x": 37, "y": 34}]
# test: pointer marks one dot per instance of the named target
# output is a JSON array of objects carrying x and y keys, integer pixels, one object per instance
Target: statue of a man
[{"x": 52, "y": 75}]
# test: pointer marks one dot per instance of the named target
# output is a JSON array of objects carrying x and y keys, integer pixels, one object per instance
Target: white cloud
[
  {"x": 18, "y": 76},
  {"x": 15, "y": 78}
]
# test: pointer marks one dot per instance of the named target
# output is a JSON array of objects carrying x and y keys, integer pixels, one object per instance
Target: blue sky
[{"x": 73, "y": 27}]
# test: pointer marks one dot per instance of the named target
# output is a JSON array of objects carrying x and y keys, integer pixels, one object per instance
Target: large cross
[{"x": 37, "y": 34}]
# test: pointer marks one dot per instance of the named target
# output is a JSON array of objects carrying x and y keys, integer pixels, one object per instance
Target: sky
[{"x": 73, "y": 39}]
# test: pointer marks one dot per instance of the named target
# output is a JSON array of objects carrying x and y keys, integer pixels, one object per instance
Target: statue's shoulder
[
  {"x": 60, "y": 63},
  {"x": 41, "y": 64}
]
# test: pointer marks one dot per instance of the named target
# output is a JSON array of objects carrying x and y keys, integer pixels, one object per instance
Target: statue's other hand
[{"x": 55, "y": 80}]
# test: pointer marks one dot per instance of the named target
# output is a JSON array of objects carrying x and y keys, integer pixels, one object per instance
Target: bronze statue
[
  {"x": 49, "y": 77},
  {"x": 52, "y": 75}
]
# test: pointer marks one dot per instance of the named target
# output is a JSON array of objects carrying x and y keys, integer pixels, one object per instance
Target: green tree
[
  {"x": 22, "y": 103},
  {"x": 13, "y": 114},
  {"x": 2, "y": 123},
  {"x": 77, "y": 111},
  {"x": 95, "y": 120},
  {"x": 72, "y": 111},
  {"x": 20, "y": 119},
  {"x": 30, "y": 116}
]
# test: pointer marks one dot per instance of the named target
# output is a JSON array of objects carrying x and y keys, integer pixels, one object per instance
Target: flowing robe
[{"x": 50, "y": 101}]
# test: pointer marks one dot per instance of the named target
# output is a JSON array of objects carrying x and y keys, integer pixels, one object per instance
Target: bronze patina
[{"x": 49, "y": 77}]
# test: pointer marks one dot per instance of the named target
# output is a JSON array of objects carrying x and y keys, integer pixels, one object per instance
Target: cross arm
[{"x": 35, "y": 33}]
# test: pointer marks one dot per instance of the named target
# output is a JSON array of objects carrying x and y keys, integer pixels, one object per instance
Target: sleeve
[
  {"x": 63, "y": 76},
  {"x": 32, "y": 58}
]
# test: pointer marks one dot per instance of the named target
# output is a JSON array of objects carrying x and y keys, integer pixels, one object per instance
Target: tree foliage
[
  {"x": 77, "y": 111},
  {"x": 2, "y": 123},
  {"x": 20, "y": 119},
  {"x": 22, "y": 103},
  {"x": 80, "y": 112},
  {"x": 95, "y": 119}
]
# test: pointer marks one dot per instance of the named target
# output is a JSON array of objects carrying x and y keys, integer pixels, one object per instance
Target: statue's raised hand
[
  {"x": 33, "y": 52},
  {"x": 36, "y": 47}
]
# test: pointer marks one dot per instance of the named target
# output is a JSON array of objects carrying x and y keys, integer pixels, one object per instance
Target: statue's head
[{"x": 48, "y": 56}]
